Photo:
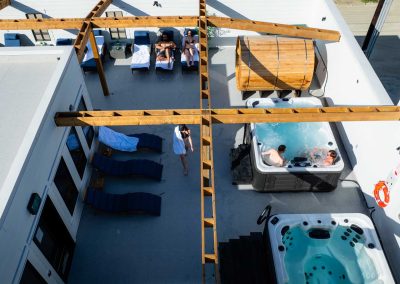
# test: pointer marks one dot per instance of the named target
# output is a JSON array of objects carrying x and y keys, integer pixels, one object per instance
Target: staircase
[{"x": 245, "y": 260}]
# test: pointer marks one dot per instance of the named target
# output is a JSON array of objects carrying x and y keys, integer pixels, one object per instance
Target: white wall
[
  {"x": 371, "y": 146},
  {"x": 37, "y": 176}
]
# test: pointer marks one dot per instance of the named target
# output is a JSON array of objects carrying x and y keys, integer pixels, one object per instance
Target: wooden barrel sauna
[{"x": 265, "y": 63}]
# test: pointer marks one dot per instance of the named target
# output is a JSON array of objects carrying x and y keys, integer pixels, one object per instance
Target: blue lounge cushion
[
  {"x": 135, "y": 167},
  {"x": 12, "y": 42},
  {"x": 148, "y": 141},
  {"x": 10, "y": 36},
  {"x": 135, "y": 202},
  {"x": 64, "y": 41},
  {"x": 141, "y": 37},
  {"x": 97, "y": 32}
]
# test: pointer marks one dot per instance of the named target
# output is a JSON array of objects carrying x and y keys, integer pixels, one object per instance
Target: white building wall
[
  {"x": 371, "y": 146},
  {"x": 18, "y": 226}
]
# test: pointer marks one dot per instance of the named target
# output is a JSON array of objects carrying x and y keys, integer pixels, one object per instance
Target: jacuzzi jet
[
  {"x": 371, "y": 245},
  {"x": 357, "y": 229},
  {"x": 281, "y": 248},
  {"x": 284, "y": 230},
  {"x": 330, "y": 143}
]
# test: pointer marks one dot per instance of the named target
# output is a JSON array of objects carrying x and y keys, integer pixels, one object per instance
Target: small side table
[{"x": 118, "y": 50}]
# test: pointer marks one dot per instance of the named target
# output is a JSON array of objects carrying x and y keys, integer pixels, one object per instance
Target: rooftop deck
[{"x": 155, "y": 249}]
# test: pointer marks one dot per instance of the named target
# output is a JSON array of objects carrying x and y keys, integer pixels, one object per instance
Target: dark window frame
[
  {"x": 66, "y": 186},
  {"x": 77, "y": 153},
  {"x": 116, "y": 33},
  {"x": 39, "y": 35}
]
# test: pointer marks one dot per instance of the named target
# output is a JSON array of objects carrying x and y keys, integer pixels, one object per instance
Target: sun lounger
[
  {"x": 88, "y": 62},
  {"x": 137, "y": 167},
  {"x": 196, "y": 53},
  {"x": 164, "y": 64},
  {"x": 141, "y": 51},
  {"x": 148, "y": 142},
  {"x": 11, "y": 40},
  {"x": 64, "y": 41},
  {"x": 134, "y": 203},
  {"x": 130, "y": 143}
]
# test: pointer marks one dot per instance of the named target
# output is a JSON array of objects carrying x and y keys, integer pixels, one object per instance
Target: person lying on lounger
[
  {"x": 189, "y": 48},
  {"x": 165, "y": 49}
]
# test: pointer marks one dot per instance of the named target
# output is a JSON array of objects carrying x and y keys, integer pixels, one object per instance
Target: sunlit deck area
[{"x": 155, "y": 249}]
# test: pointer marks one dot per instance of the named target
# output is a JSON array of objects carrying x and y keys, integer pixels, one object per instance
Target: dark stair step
[{"x": 226, "y": 266}]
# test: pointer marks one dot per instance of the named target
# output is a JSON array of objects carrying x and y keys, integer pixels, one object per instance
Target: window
[
  {"x": 75, "y": 148},
  {"x": 87, "y": 130},
  {"x": 31, "y": 276},
  {"x": 116, "y": 33},
  {"x": 39, "y": 35},
  {"x": 54, "y": 240},
  {"x": 66, "y": 186}
]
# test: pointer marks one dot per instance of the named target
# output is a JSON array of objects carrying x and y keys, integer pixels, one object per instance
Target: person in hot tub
[
  {"x": 323, "y": 156},
  {"x": 273, "y": 157}
]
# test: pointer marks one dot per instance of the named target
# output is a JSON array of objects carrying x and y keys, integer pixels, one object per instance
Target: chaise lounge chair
[
  {"x": 130, "y": 143},
  {"x": 141, "y": 51},
  {"x": 184, "y": 66},
  {"x": 137, "y": 167},
  {"x": 88, "y": 62},
  {"x": 163, "y": 64},
  {"x": 11, "y": 40},
  {"x": 135, "y": 203}
]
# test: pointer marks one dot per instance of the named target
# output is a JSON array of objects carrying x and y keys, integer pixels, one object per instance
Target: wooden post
[
  {"x": 99, "y": 64},
  {"x": 4, "y": 3}
]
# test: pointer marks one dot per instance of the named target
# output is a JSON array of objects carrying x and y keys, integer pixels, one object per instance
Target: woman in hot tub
[{"x": 322, "y": 156}]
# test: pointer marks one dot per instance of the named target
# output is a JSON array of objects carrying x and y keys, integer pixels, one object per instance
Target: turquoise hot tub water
[
  {"x": 335, "y": 255},
  {"x": 299, "y": 138}
]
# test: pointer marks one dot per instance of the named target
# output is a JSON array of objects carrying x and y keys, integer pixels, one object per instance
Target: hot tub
[
  {"x": 326, "y": 248},
  {"x": 300, "y": 140}
]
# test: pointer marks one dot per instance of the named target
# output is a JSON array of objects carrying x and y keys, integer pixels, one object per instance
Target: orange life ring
[{"x": 381, "y": 186}]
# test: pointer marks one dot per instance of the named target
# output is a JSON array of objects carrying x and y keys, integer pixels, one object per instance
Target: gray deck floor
[{"x": 167, "y": 249}]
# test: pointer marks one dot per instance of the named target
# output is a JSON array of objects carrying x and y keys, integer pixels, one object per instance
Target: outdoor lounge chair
[
  {"x": 64, "y": 41},
  {"x": 88, "y": 62},
  {"x": 11, "y": 40},
  {"x": 163, "y": 64},
  {"x": 196, "y": 53},
  {"x": 130, "y": 143},
  {"x": 135, "y": 202},
  {"x": 141, "y": 51},
  {"x": 137, "y": 167}
]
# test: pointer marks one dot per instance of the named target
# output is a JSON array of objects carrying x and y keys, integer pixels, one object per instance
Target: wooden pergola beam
[
  {"x": 82, "y": 39},
  {"x": 228, "y": 116},
  {"x": 99, "y": 64},
  {"x": 37, "y": 24},
  {"x": 145, "y": 21},
  {"x": 99, "y": 9},
  {"x": 273, "y": 28}
]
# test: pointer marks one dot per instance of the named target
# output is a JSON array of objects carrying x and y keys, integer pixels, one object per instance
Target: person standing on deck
[{"x": 182, "y": 142}]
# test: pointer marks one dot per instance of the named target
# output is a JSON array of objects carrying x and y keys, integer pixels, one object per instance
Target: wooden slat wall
[{"x": 145, "y": 21}]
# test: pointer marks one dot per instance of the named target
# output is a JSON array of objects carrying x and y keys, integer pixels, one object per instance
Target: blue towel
[{"x": 116, "y": 140}]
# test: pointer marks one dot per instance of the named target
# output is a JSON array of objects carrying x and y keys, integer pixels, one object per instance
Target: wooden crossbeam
[
  {"x": 145, "y": 21},
  {"x": 82, "y": 39},
  {"x": 273, "y": 28},
  {"x": 99, "y": 9},
  {"x": 227, "y": 116},
  {"x": 99, "y": 64},
  {"x": 4, "y": 3},
  {"x": 37, "y": 24}
]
